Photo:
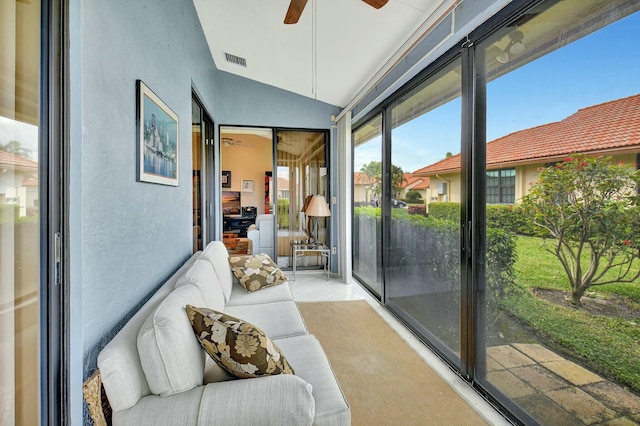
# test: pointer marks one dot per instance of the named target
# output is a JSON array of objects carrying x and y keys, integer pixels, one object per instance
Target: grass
[
  {"x": 611, "y": 346},
  {"x": 538, "y": 268}
]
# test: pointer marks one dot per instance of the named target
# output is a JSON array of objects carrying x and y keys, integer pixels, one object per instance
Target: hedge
[{"x": 430, "y": 246}]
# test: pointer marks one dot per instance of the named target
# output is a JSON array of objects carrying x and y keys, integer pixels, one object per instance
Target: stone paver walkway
[{"x": 556, "y": 391}]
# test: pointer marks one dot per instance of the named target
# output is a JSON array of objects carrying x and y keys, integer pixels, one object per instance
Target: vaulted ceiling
[{"x": 331, "y": 54}]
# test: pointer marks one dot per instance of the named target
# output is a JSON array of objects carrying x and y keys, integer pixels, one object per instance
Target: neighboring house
[
  {"x": 607, "y": 129},
  {"x": 421, "y": 184},
  {"x": 363, "y": 192},
  {"x": 19, "y": 183},
  {"x": 362, "y": 189},
  {"x": 283, "y": 188}
]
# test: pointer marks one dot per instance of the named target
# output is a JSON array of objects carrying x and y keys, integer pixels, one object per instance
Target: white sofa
[
  {"x": 155, "y": 372},
  {"x": 262, "y": 235}
]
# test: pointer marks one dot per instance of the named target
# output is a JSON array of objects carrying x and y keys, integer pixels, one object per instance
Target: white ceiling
[{"x": 329, "y": 55}]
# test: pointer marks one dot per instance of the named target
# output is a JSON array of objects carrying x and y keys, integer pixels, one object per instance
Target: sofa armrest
[{"x": 282, "y": 399}]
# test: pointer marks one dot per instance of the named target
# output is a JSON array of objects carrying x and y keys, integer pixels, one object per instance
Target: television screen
[{"x": 231, "y": 202}]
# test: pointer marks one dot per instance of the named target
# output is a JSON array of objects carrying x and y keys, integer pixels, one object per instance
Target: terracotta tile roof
[
  {"x": 415, "y": 182},
  {"x": 605, "y": 128},
  {"x": 16, "y": 162},
  {"x": 361, "y": 179}
]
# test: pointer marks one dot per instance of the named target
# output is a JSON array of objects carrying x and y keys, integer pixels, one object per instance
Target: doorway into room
[
  {"x": 301, "y": 172},
  {"x": 264, "y": 186}
]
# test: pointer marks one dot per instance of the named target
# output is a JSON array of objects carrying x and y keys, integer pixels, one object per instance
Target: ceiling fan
[
  {"x": 297, "y": 6},
  {"x": 226, "y": 141}
]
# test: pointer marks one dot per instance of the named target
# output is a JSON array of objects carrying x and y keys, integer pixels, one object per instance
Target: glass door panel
[
  {"x": 19, "y": 213},
  {"x": 367, "y": 190},
  {"x": 422, "y": 271},
  {"x": 197, "y": 175},
  {"x": 563, "y": 72},
  {"x": 301, "y": 172}
]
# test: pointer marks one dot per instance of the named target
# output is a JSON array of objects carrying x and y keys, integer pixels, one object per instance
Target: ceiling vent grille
[{"x": 235, "y": 59}]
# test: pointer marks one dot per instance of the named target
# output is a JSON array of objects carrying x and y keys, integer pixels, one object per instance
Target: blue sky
[{"x": 600, "y": 67}]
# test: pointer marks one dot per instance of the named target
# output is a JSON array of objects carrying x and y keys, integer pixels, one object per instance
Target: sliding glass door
[
  {"x": 560, "y": 85},
  {"x": 518, "y": 262},
  {"x": 367, "y": 207},
  {"x": 422, "y": 269},
  {"x": 301, "y": 172}
]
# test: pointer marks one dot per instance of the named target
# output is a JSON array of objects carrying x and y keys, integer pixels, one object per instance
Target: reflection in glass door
[
  {"x": 301, "y": 171},
  {"x": 367, "y": 207},
  {"x": 19, "y": 213},
  {"x": 422, "y": 270},
  {"x": 551, "y": 362}
]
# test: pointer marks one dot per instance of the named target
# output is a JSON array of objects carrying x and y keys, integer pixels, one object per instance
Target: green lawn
[
  {"x": 610, "y": 346},
  {"x": 536, "y": 267}
]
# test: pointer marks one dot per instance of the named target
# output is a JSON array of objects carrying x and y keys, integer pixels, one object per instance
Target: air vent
[{"x": 236, "y": 59}]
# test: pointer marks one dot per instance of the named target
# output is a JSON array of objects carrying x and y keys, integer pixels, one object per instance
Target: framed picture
[
  {"x": 247, "y": 185},
  {"x": 226, "y": 179},
  {"x": 157, "y": 127}
]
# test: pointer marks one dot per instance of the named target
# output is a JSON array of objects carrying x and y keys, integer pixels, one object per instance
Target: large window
[
  {"x": 20, "y": 297},
  {"x": 534, "y": 302},
  {"x": 501, "y": 186}
]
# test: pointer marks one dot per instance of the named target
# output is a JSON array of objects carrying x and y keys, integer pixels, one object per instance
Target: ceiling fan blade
[
  {"x": 376, "y": 3},
  {"x": 295, "y": 10}
]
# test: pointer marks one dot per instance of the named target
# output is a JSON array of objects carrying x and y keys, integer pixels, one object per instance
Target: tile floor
[
  {"x": 530, "y": 374},
  {"x": 312, "y": 286}
]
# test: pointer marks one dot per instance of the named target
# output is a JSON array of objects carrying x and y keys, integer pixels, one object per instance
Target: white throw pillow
[
  {"x": 216, "y": 253},
  {"x": 202, "y": 275},
  {"x": 171, "y": 356}
]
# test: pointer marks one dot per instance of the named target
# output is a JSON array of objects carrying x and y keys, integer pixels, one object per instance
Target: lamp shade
[{"x": 317, "y": 207}]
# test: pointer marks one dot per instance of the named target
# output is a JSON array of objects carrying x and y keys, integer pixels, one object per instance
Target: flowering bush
[{"x": 588, "y": 211}]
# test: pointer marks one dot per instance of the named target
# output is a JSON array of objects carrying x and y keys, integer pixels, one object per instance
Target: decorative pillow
[
  {"x": 256, "y": 272},
  {"x": 238, "y": 347}
]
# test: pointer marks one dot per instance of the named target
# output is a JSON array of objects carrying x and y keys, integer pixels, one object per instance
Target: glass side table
[{"x": 299, "y": 248}]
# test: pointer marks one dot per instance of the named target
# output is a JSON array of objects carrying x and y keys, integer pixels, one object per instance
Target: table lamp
[{"x": 317, "y": 207}]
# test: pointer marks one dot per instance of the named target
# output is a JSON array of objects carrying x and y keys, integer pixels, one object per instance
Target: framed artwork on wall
[
  {"x": 157, "y": 135},
  {"x": 226, "y": 179},
  {"x": 247, "y": 185}
]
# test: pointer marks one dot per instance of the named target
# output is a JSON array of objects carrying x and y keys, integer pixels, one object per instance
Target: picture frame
[
  {"x": 157, "y": 137},
  {"x": 247, "y": 186},
  {"x": 226, "y": 179}
]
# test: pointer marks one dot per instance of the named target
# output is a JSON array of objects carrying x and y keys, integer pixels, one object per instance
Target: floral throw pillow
[
  {"x": 256, "y": 272},
  {"x": 236, "y": 346}
]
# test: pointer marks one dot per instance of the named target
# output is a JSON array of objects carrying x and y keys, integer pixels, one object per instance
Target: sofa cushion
[
  {"x": 239, "y": 296},
  {"x": 283, "y": 399},
  {"x": 171, "y": 357},
  {"x": 277, "y": 320},
  {"x": 256, "y": 272},
  {"x": 238, "y": 346},
  {"x": 216, "y": 254},
  {"x": 202, "y": 275},
  {"x": 306, "y": 355}
]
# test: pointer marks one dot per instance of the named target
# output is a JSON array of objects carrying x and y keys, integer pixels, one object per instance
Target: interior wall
[
  {"x": 249, "y": 160},
  {"x": 127, "y": 237}
]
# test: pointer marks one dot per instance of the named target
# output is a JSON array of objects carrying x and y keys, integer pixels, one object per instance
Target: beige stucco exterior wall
[{"x": 526, "y": 176}]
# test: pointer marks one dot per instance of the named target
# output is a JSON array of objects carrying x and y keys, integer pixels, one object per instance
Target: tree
[
  {"x": 15, "y": 147},
  {"x": 588, "y": 211},
  {"x": 373, "y": 172}
]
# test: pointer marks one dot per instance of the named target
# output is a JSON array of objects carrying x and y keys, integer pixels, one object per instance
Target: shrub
[
  {"x": 419, "y": 210},
  {"x": 510, "y": 218},
  {"x": 283, "y": 212},
  {"x": 446, "y": 211},
  {"x": 413, "y": 196},
  {"x": 432, "y": 245}
]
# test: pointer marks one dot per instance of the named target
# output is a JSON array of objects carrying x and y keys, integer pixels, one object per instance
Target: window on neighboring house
[{"x": 501, "y": 186}]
